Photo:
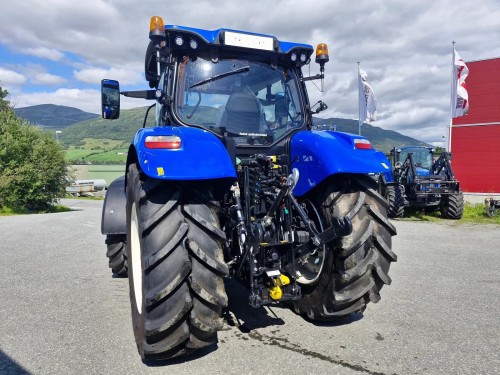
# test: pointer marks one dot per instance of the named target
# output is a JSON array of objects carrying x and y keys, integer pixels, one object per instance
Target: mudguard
[
  {"x": 114, "y": 208},
  {"x": 320, "y": 154},
  {"x": 201, "y": 156}
]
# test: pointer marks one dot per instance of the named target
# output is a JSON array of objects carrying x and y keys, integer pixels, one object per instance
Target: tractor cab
[
  {"x": 422, "y": 158},
  {"x": 251, "y": 101},
  {"x": 234, "y": 84}
]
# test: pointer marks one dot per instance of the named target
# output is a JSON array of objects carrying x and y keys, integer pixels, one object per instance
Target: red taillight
[
  {"x": 362, "y": 144},
  {"x": 171, "y": 142}
]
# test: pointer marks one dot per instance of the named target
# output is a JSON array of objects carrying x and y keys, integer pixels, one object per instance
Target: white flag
[
  {"x": 367, "y": 99},
  {"x": 459, "y": 95}
]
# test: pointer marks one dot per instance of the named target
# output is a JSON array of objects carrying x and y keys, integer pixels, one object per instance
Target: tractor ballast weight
[
  {"x": 232, "y": 182},
  {"x": 421, "y": 181}
]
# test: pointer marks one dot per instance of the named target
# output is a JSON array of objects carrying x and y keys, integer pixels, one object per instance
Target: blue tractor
[
  {"x": 232, "y": 182},
  {"x": 422, "y": 180}
]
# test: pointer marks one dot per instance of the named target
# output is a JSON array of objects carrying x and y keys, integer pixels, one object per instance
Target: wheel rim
[
  {"x": 135, "y": 253},
  {"x": 309, "y": 266}
]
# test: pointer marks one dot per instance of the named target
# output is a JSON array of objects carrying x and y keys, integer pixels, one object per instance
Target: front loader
[{"x": 423, "y": 181}]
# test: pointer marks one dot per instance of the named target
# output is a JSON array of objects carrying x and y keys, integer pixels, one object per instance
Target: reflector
[
  {"x": 362, "y": 144},
  {"x": 171, "y": 142}
]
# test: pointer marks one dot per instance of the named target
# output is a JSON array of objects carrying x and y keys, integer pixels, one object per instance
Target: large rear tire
[
  {"x": 177, "y": 267},
  {"x": 356, "y": 266},
  {"x": 394, "y": 196},
  {"x": 452, "y": 206},
  {"x": 117, "y": 254}
]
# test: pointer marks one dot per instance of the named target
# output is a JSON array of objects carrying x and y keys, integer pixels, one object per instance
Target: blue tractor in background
[
  {"x": 232, "y": 182},
  {"x": 423, "y": 181}
]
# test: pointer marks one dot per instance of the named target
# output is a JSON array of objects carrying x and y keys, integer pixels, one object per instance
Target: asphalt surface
[{"x": 61, "y": 312}]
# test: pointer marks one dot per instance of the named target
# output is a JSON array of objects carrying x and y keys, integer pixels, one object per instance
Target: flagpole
[
  {"x": 453, "y": 96},
  {"x": 359, "y": 103}
]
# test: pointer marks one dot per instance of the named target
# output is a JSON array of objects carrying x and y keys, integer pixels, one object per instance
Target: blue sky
[{"x": 57, "y": 51}]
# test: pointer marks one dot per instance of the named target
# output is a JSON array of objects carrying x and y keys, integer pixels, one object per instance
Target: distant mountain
[
  {"x": 124, "y": 129},
  {"x": 51, "y": 116}
]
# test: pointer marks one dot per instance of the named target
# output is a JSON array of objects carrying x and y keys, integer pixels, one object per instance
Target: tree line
[{"x": 33, "y": 168}]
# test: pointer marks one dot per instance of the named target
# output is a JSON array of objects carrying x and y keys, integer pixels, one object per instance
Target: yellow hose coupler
[{"x": 276, "y": 292}]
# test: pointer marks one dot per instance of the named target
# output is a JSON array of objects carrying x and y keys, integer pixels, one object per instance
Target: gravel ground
[{"x": 61, "y": 312}]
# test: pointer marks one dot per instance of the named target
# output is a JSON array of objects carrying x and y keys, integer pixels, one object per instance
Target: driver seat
[{"x": 242, "y": 114}]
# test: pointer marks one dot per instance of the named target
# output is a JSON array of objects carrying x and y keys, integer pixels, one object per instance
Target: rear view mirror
[{"x": 110, "y": 99}]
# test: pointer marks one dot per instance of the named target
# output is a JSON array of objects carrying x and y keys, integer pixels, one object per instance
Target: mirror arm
[
  {"x": 140, "y": 94},
  {"x": 317, "y": 76}
]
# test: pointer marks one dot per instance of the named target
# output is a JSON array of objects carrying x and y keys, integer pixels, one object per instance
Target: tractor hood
[{"x": 422, "y": 172}]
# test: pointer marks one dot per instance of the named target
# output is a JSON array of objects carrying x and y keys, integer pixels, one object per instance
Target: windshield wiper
[{"x": 215, "y": 78}]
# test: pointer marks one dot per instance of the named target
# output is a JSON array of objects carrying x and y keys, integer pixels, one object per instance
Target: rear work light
[
  {"x": 362, "y": 144},
  {"x": 171, "y": 142}
]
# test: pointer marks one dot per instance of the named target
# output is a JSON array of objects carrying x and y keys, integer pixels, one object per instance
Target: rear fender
[
  {"x": 320, "y": 154},
  {"x": 201, "y": 156},
  {"x": 114, "y": 208}
]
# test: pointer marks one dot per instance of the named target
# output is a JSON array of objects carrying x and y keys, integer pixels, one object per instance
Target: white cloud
[
  {"x": 47, "y": 79},
  {"x": 33, "y": 73},
  {"x": 123, "y": 75},
  {"x": 44, "y": 53},
  {"x": 405, "y": 47},
  {"x": 10, "y": 78}
]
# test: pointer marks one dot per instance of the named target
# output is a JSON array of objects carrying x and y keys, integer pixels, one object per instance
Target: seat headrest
[{"x": 241, "y": 102}]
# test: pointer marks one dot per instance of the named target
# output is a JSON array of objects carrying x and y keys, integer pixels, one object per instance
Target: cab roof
[
  {"x": 238, "y": 39},
  {"x": 404, "y": 148}
]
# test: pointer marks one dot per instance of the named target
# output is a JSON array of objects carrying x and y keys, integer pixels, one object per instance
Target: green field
[
  {"x": 108, "y": 172},
  {"x": 98, "y": 151}
]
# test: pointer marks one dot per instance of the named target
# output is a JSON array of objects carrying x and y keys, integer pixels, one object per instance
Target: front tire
[
  {"x": 177, "y": 267},
  {"x": 356, "y": 266},
  {"x": 394, "y": 196},
  {"x": 452, "y": 206}
]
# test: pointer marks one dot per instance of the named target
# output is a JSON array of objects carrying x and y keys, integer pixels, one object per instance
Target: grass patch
[
  {"x": 6, "y": 211},
  {"x": 115, "y": 156},
  {"x": 58, "y": 208},
  {"x": 477, "y": 214},
  {"x": 473, "y": 213},
  {"x": 86, "y": 197}
]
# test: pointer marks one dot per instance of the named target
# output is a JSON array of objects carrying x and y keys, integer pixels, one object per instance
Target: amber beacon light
[
  {"x": 156, "y": 27},
  {"x": 322, "y": 53}
]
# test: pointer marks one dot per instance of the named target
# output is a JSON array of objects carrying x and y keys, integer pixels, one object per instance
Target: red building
[{"x": 475, "y": 137}]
